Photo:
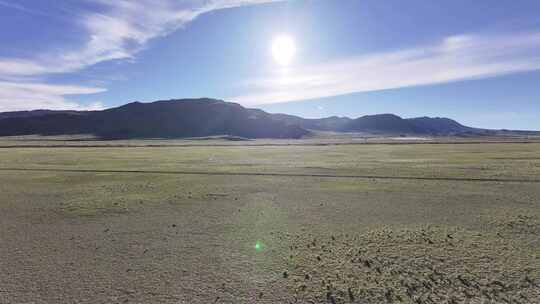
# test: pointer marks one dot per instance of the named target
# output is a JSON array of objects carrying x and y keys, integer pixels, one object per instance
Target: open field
[{"x": 269, "y": 223}]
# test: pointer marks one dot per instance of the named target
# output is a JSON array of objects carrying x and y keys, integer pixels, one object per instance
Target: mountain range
[{"x": 203, "y": 117}]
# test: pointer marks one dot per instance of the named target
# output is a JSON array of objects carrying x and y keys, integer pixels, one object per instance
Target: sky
[{"x": 474, "y": 61}]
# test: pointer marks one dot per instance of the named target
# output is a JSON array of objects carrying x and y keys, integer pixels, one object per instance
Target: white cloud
[
  {"x": 20, "y": 67},
  {"x": 119, "y": 30},
  {"x": 16, "y": 96},
  {"x": 454, "y": 58}
]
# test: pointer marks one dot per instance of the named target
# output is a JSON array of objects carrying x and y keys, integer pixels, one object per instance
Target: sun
[{"x": 283, "y": 49}]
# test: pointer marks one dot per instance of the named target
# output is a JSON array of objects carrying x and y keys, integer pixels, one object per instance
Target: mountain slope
[
  {"x": 332, "y": 123},
  {"x": 161, "y": 119},
  {"x": 393, "y": 124},
  {"x": 384, "y": 124},
  {"x": 210, "y": 117},
  {"x": 439, "y": 125},
  {"x": 34, "y": 113}
]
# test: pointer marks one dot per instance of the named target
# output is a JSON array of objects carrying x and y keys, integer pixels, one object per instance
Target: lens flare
[{"x": 258, "y": 246}]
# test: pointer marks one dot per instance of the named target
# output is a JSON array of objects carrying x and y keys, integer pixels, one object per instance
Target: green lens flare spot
[{"x": 258, "y": 246}]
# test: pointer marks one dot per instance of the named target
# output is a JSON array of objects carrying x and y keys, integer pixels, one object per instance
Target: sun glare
[{"x": 283, "y": 49}]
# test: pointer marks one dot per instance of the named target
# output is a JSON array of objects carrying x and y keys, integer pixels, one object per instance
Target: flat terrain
[{"x": 241, "y": 222}]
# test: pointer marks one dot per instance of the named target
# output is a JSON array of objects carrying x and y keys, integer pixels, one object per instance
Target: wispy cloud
[
  {"x": 452, "y": 59},
  {"x": 16, "y": 6},
  {"x": 22, "y": 8},
  {"x": 118, "y": 30},
  {"x": 15, "y": 96}
]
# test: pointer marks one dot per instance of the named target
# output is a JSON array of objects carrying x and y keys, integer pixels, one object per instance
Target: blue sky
[{"x": 474, "y": 61}]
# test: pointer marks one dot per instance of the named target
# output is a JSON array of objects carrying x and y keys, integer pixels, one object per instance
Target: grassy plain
[{"x": 362, "y": 223}]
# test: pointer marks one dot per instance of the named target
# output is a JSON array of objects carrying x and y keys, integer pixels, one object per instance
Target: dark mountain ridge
[
  {"x": 35, "y": 113},
  {"x": 210, "y": 117},
  {"x": 381, "y": 124},
  {"x": 160, "y": 119}
]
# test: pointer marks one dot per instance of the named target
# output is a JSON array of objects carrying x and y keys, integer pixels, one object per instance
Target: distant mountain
[
  {"x": 34, "y": 113},
  {"x": 385, "y": 124},
  {"x": 389, "y": 123},
  {"x": 160, "y": 119},
  {"x": 333, "y": 123},
  {"x": 382, "y": 124},
  {"x": 439, "y": 125},
  {"x": 210, "y": 117}
]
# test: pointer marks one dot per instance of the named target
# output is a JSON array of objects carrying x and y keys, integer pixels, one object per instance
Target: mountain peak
[{"x": 382, "y": 116}]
